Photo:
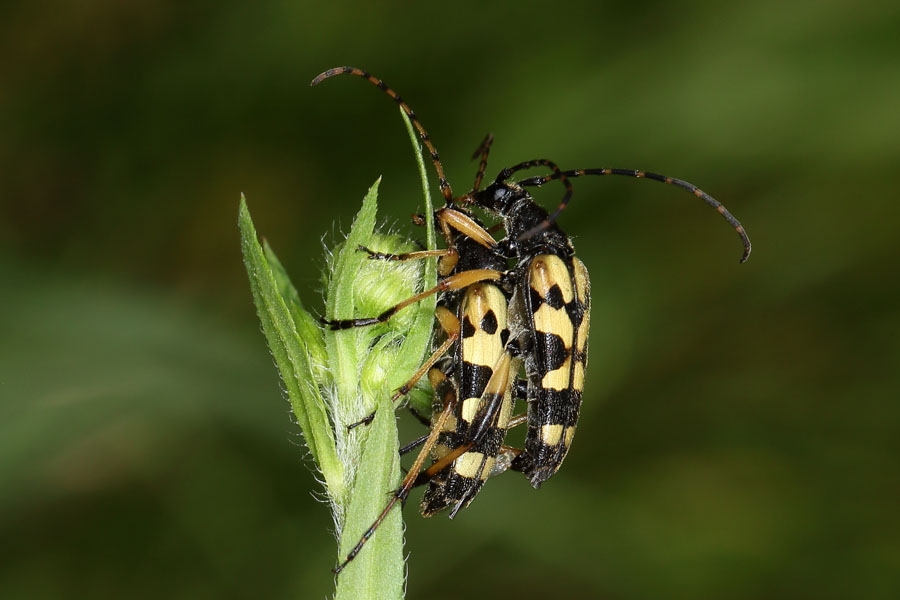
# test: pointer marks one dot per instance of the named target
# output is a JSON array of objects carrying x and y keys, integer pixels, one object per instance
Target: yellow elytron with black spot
[
  {"x": 471, "y": 372},
  {"x": 554, "y": 300},
  {"x": 484, "y": 401}
]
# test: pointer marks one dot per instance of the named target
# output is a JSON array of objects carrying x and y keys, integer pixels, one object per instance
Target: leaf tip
[{"x": 244, "y": 213}]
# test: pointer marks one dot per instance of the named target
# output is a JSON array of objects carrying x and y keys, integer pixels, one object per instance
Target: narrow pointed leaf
[
  {"x": 291, "y": 357},
  {"x": 342, "y": 345},
  {"x": 415, "y": 345},
  {"x": 307, "y": 326}
]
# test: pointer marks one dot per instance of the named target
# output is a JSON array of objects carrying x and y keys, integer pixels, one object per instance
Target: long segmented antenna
[
  {"x": 539, "y": 162},
  {"x": 446, "y": 190},
  {"x": 483, "y": 149},
  {"x": 538, "y": 181}
]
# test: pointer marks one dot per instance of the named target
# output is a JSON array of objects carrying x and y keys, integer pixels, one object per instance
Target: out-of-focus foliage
[{"x": 740, "y": 428}]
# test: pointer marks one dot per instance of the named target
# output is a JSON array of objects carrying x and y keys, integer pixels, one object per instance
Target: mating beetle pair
[{"x": 496, "y": 318}]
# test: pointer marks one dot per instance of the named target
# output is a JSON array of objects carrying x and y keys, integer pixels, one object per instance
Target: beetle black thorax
[
  {"x": 472, "y": 255},
  {"x": 521, "y": 214}
]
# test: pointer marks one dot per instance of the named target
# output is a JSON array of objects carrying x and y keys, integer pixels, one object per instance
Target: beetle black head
[{"x": 499, "y": 198}]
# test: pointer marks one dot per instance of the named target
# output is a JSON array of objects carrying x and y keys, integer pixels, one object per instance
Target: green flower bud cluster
[{"x": 335, "y": 378}]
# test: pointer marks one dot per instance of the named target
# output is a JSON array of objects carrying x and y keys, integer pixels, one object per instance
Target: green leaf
[
  {"x": 416, "y": 343},
  {"x": 374, "y": 474},
  {"x": 291, "y": 357},
  {"x": 343, "y": 346},
  {"x": 355, "y": 370},
  {"x": 421, "y": 397},
  {"x": 308, "y": 327},
  {"x": 377, "y": 571}
]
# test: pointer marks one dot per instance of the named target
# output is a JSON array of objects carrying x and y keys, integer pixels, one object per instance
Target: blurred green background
[{"x": 740, "y": 430}]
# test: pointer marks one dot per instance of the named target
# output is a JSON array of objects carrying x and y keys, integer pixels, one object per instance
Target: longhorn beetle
[{"x": 549, "y": 310}]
